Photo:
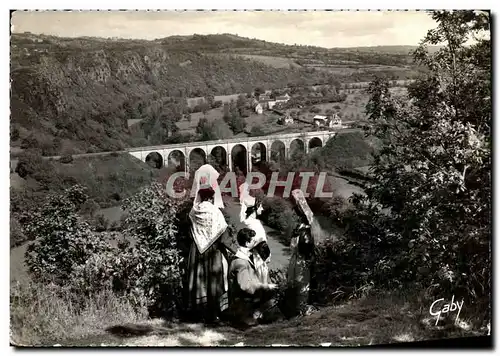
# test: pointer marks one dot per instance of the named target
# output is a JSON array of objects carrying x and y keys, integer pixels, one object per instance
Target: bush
[
  {"x": 341, "y": 271},
  {"x": 279, "y": 215},
  {"x": 89, "y": 208},
  {"x": 100, "y": 223},
  {"x": 68, "y": 253},
  {"x": 152, "y": 221},
  {"x": 344, "y": 151},
  {"x": 62, "y": 239},
  {"x": 66, "y": 159},
  {"x": 335, "y": 209},
  {"x": 29, "y": 163},
  {"x": 17, "y": 236},
  {"x": 257, "y": 131}
]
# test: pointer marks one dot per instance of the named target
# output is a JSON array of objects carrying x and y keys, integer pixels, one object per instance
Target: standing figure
[
  {"x": 251, "y": 209},
  {"x": 300, "y": 285},
  {"x": 207, "y": 269},
  {"x": 204, "y": 177}
]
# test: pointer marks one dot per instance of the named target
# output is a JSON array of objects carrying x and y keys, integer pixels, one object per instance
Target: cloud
[{"x": 320, "y": 28}]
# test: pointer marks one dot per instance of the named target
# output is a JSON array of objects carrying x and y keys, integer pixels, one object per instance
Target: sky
[{"x": 317, "y": 28}]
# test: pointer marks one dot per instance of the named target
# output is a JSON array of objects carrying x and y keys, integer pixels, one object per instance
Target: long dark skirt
[{"x": 207, "y": 282}]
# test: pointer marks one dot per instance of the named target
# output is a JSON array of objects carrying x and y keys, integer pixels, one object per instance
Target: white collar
[{"x": 243, "y": 253}]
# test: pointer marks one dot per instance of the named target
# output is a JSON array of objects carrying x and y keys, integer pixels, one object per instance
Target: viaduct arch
[{"x": 235, "y": 154}]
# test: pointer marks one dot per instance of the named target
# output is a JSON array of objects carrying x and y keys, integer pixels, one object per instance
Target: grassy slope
[
  {"x": 344, "y": 150},
  {"x": 368, "y": 321},
  {"x": 104, "y": 176}
]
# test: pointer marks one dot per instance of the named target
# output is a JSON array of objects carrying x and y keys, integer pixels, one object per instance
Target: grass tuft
[{"x": 45, "y": 315}]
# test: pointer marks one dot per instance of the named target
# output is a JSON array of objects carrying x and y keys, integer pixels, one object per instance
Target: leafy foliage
[
  {"x": 214, "y": 130},
  {"x": 233, "y": 116},
  {"x": 30, "y": 163},
  {"x": 346, "y": 150},
  {"x": 257, "y": 131},
  {"x": 278, "y": 214},
  {"x": 429, "y": 207},
  {"x": 61, "y": 239},
  {"x": 66, "y": 159},
  {"x": 70, "y": 254},
  {"x": 152, "y": 221}
]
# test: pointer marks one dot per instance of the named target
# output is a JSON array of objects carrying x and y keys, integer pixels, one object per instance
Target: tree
[
  {"x": 233, "y": 118},
  {"x": 237, "y": 124},
  {"x": 275, "y": 93},
  {"x": 216, "y": 130},
  {"x": 168, "y": 124},
  {"x": 220, "y": 130},
  {"x": 210, "y": 99},
  {"x": 258, "y": 91},
  {"x": 203, "y": 129},
  {"x": 433, "y": 171},
  {"x": 241, "y": 103},
  {"x": 153, "y": 220},
  {"x": 257, "y": 131},
  {"x": 325, "y": 91},
  {"x": 30, "y": 163},
  {"x": 30, "y": 142}
]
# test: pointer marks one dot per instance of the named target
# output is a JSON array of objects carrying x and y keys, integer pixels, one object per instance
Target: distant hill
[
  {"x": 77, "y": 94},
  {"x": 399, "y": 50}
]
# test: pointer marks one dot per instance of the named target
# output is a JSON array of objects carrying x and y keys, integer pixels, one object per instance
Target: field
[
  {"x": 224, "y": 98},
  {"x": 267, "y": 121},
  {"x": 276, "y": 62},
  {"x": 352, "y": 109}
]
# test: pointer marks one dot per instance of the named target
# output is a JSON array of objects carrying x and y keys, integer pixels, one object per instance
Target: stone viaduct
[{"x": 253, "y": 149}]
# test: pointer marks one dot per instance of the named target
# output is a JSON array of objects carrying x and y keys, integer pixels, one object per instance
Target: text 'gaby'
[{"x": 434, "y": 310}]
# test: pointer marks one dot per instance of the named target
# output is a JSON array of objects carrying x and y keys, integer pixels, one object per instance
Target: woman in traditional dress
[
  {"x": 251, "y": 209},
  {"x": 301, "y": 267},
  {"x": 207, "y": 269}
]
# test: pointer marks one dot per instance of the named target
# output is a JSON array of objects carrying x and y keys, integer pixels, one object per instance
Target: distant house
[
  {"x": 285, "y": 120},
  {"x": 330, "y": 121},
  {"x": 335, "y": 121},
  {"x": 258, "y": 109},
  {"x": 282, "y": 98},
  {"x": 267, "y": 103},
  {"x": 320, "y": 120}
]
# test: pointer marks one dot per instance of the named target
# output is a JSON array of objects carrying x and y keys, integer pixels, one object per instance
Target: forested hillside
[{"x": 76, "y": 95}]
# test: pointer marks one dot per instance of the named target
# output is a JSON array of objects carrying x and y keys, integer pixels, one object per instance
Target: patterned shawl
[
  {"x": 207, "y": 224},
  {"x": 317, "y": 232},
  {"x": 301, "y": 202}
]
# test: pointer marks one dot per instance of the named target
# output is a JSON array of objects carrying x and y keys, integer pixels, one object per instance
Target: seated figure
[{"x": 250, "y": 300}]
